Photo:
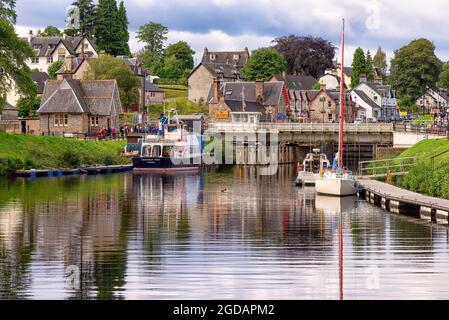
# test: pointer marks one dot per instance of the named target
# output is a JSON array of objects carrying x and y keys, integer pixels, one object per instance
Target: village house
[
  {"x": 375, "y": 100},
  {"x": 50, "y": 49},
  {"x": 39, "y": 79},
  {"x": 8, "y": 112},
  {"x": 79, "y": 106},
  {"x": 296, "y": 86},
  {"x": 434, "y": 101},
  {"x": 324, "y": 106},
  {"x": 248, "y": 102},
  {"x": 332, "y": 77},
  {"x": 73, "y": 68},
  {"x": 222, "y": 65}
]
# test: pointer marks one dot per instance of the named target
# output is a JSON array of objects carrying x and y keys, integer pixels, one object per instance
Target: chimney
[
  {"x": 284, "y": 74},
  {"x": 68, "y": 63},
  {"x": 206, "y": 52},
  {"x": 30, "y": 36},
  {"x": 363, "y": 78},
  {"x": 322, "y": 87},
  {"x": 259, "y": 90},
  {"x": 216, "y": 90}
]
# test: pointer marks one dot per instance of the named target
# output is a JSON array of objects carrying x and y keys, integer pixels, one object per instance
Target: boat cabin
[{"x": 246, "y": 117}]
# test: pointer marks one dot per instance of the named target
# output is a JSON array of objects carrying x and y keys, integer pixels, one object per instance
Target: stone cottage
[{"x": 79, "y": 106}]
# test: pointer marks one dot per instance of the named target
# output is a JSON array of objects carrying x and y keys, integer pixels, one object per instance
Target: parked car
[
  {"x": 371, "y": 120},
  {"x": 358, "y": 121}
]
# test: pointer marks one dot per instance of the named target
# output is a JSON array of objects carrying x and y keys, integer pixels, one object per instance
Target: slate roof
[
  {"x": 226, "y": 57},
  {"x": 133, "y": 63},
  {"x": 251, "y": 106},
  {"x": 366, "y": 99},
  {"x": 76, "y": 63},
  {"x": 221, "y": 70},
  {"x": 39, "y": 79},
  {"x": 95, "y": 97},
  {"x": 272, "y": 91},
  {"x": 297, "y": 82},
  {"x": 10, "y": 107},
  {"x": 47, "y": 45},
  {"x": 150, "y": 87}
]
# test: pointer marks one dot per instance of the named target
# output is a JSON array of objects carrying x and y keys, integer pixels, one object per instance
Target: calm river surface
[{"x": 223, "y": 235}]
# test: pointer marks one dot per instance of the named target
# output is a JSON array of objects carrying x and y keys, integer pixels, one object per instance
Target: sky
[{"x": 236, "y": 24}]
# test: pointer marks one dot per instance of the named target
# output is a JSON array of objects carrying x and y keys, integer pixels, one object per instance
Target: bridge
[{"x": 295, "y": 140}]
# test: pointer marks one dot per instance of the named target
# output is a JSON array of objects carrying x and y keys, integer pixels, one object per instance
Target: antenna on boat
[{"x": 342, "y": 99}]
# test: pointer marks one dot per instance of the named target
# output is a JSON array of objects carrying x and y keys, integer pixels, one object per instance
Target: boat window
[
  {"x": 156, "y": 152},
  {"x": 167, "y": 152},
  {"x": 146, "y": 151}
]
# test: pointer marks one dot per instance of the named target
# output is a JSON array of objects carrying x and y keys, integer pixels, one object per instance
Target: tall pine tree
[
  {"x": 108, "y": 28},
  {"x": 87, "y": 17},
  {"x": 358, "y": 67},
  {"x": 380, "y": 62},
  {"x": 369, "y": 69},
  {"x": 123, "y": 18}
]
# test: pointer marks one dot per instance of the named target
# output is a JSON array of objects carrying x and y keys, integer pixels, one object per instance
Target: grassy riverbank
[
  {"x": 423, "y": 177},
  {"x": 39, "y": 152}
]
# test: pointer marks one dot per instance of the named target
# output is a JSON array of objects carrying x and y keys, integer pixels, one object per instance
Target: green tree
[
  {"x": 444, "y": 76},
  {"x": 152, "y": 35},
  {"x": 49, "y": 31},
  {"x": 380, "y": 61},
  {"x": 172, "y": 68},
  {"x": 264, "y": 63},
  {"x": 358, "y": 66},
  {"x": 108, "y": 28},
  {"x": 13, "y": 55},
  {"x": 27, "y": 106},
  {"x": 53, "y": 68},
  {"x": 86, "y": 20},
  {"x": 369, "y": 68},
  {"x": 106, "y": 67},
  {"x": 183, "y": 52},
  {"x": 123, "y": 18},
  {"x": 7, "y": 10},
  {"x": 414, "y": 68}
]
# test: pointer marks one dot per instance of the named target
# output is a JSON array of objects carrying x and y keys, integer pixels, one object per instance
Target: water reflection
[{"x": 230, "y": 234}]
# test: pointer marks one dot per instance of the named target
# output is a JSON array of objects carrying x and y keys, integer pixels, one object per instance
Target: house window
[
  {"x": 329, "y": 104},
  {"x": 94, "y": 121},
  {"x": 236, "y": 57},
  {"x": 152, "y": 94},
  {"x": 61, "y": 57},
  {"x": 212, "y": 57},
  {"x": 49, "y": 59},
  {"x": 61, "y": 120},
  {"x": 35, "y": 60}
]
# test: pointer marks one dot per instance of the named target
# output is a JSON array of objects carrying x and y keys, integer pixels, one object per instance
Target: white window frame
[
  {"x": 35, "y": 60},
  {"x": 94, "y": 122},
  {"x": 50, "y": 59}
]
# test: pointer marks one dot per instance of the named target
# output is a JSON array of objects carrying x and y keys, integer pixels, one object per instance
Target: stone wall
[
  {"x": 199, "y": 84},
  {"x": 9, "y": 126}
]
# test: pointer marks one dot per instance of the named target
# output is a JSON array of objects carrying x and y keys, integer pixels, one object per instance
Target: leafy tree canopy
[
  {"x": 49, "y": 31},
  {"x": 106, "y": 67},
  {"x": 53, "y": 68},
  {"x": 306, "y": 55},
  {"x": 153, "y": 35},
  {"x": 444, "y": 76},
  {"x": 264, "y": 63},
  {"x": 414, "y": 68},
  {"x": 27, "y": 106},
  {"x": 7, "y": 10},
  {"x": 380, "y": 61},
  {"x": 183, "y": 52}
]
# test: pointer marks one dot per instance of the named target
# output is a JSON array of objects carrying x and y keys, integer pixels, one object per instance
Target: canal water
[{"x": 230, "y": 234}]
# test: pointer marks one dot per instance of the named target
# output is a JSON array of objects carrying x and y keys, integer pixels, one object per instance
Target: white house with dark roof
[
  {"x": 332, "y": 77},
  {"x": 50, "y": 49},
  {"x": 79, "y": 106},
  {"x": 434, "y": 100}
]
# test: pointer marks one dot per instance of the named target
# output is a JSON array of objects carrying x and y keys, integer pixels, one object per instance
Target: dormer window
[
  {"x": 37, "y": 46},
  {"x": 212, "y": 57},
  {"x": 236, "y": 57}
]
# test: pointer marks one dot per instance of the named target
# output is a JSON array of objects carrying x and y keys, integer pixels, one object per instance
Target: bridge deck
[{"x": 394, "y": 193}]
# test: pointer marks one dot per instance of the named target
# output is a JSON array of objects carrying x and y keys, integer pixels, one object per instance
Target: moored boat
[{"x": 312, "y": 166}]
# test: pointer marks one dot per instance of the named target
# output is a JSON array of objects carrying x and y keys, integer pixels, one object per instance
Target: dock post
[
  {"x": 426, "y": 213},
  {"x": 384, "y": 203},
  {"x": 442, "y": 217},
  {"x": 371, "y": 198},
  {"x": 394, "y": 206}
]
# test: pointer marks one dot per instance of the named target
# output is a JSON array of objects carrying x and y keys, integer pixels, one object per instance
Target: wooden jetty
[
  {"x": 404, "y": 202},
  {"x": 92, "y": 170}
]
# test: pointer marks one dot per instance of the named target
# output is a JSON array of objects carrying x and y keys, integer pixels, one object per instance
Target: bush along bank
[{"x": 44, "y": 152}]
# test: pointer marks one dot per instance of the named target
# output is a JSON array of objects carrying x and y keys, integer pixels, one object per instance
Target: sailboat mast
[{"x": 342, "y": 100}]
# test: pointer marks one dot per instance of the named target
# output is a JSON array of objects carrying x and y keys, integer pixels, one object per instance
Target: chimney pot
[
  {"x": 322, "y": 87},
  {"x": 216, "y": 90}
]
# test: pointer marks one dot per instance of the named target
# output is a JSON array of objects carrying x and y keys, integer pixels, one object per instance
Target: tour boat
[
  {"x": 172, "y": 150},
  {"x": 312, "y": 166},
  {"x": 338, "y": 182}
]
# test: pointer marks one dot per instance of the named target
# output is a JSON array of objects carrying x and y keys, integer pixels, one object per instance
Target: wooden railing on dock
[{"x": 381, "y": 168}]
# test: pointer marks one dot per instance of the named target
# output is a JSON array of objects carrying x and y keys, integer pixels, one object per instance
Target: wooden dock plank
[{"x": 395, "y": 193}]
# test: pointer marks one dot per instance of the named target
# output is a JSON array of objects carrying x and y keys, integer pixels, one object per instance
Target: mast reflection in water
[{"x": 230, "y": 234}]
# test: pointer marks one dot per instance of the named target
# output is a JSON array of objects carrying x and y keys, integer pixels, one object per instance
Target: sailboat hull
[{"x": 339, "y": 187}]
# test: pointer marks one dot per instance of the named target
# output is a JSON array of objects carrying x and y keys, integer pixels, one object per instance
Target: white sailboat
[{"x": 338, "y": 182}]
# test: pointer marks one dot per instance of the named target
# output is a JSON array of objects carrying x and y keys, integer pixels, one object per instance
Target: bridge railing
[
  {"x": 303, "y": 127},
  {"x": 381, "y": 168}
]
